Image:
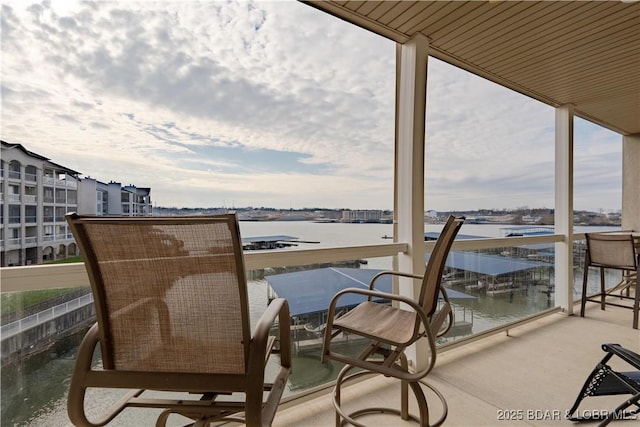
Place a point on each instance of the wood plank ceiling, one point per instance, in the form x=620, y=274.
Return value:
x=584, y=53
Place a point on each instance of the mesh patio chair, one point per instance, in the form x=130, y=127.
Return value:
x=173, y=316
x=389, y=330
x=605, y=381
x=612, y=251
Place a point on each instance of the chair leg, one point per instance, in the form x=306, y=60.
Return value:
x=585, y=278
x=636, y=303
x=603, y=292
x=620, y=412
x=423, y=408
x=343, y=418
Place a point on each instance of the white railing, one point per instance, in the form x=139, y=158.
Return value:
x=13, y=198
x=14, y=241
x=30, y=199
x=50, y=276
x=69, y=275
x=17, y=327
x=48, y=180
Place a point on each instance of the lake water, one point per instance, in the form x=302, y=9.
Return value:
x=34, y=392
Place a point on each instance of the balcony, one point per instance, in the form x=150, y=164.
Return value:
x=547, y=355
x=31, y=240
x=14, y=242
x=30, y=199
x=534, y=349
x=528, y=375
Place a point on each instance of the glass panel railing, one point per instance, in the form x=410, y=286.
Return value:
x=41, y=331
x=496, y=284
x=308, y=290
x=493, y=287
x=488, y=288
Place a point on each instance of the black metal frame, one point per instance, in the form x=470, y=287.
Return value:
x=604, y=381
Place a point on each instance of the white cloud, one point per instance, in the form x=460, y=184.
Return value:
x=264, y=103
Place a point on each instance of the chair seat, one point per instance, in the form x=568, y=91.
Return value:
x=612, y=385
x=380, y=322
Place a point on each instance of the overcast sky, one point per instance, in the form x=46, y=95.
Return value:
x=271, y=104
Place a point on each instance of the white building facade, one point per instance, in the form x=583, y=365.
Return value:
x=36, y=193
x=99, y=198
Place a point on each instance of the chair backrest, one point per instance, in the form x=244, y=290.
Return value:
x=435, y=265
x=611, y=251
x=170, y=292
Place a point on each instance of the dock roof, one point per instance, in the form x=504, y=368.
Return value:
x=490, y=265
x=310, y=291
x=265, y=239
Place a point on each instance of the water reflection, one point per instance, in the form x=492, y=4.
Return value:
x=37, y=387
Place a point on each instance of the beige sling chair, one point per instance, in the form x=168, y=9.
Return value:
x=389, y=330
x=173, y=316
x=612, y=251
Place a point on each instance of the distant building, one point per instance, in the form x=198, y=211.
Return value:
x=529, y=219
x=362, y=216
x=36, y=193
x=99, y=198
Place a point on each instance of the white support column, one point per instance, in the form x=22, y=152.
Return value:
x=564, y=208
x=411, y=84
x=631, y=182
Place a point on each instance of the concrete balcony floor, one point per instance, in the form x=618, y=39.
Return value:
x=530, y=376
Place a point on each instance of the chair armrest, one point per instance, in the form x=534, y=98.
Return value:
x=277, y=308
x=391, y=273
x=625, y=354
x=373, y=293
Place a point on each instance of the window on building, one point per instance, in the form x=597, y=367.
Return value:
x=72, y=197
x=14, y=169
x=61, y=195
x=60, y=212
x=30, y=214
x=14, y=214
x=48, y=214
x=30, y=173
x=47, y=194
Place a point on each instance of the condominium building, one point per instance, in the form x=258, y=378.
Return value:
x=362, y=216
x=113, y=199
x=36, y=193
